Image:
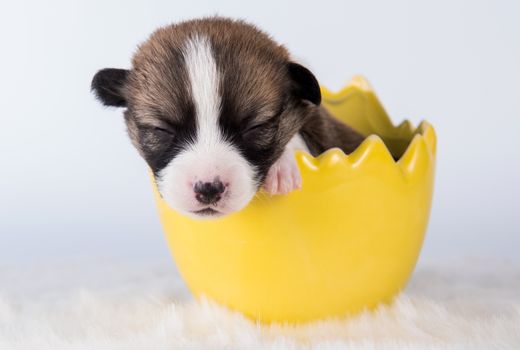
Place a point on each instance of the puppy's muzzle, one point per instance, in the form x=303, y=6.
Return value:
x=209, y=192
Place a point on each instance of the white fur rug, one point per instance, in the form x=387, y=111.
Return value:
x=107, y=305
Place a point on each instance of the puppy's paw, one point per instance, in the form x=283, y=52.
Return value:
x=283, y=176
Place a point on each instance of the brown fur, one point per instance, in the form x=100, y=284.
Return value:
x=322, y=132
x=265, y=98
x=256, y=71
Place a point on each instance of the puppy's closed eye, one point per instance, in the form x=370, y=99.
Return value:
x=156, y=137
x=261, y=134
x=254, y=129
x=163, y=131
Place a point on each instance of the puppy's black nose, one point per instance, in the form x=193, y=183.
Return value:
x=209, y=192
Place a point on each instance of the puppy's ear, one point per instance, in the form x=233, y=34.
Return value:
x=305, y=85
x=108, y=85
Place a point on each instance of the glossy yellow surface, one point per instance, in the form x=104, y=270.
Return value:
x=347, y=241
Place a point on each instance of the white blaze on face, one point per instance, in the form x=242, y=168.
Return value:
x=209, y=157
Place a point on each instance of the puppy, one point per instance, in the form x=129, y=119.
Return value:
x=217, y=109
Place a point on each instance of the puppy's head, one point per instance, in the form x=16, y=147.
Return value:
x=210, y=105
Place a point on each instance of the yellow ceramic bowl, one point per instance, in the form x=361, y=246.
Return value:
x=346, y=242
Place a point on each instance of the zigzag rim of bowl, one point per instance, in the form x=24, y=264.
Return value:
x=423, y=140
x=422, y=146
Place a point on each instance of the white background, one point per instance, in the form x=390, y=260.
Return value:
x=72, y=186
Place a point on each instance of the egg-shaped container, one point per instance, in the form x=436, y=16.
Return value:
x=348, y=241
